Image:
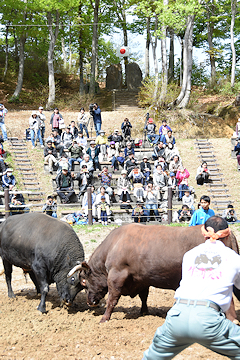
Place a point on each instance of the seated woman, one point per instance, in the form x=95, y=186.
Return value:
x=137, y=179
x=202, y=174
x=123, y=187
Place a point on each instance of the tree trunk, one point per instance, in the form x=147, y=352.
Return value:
x=70, y=48
x=184, y=102
x=63, y=49
x=53, y=37
x=147, y=66
x=21, y=67
x=233, y=10
x=171, y=57
x=155, y=61
x=125, y=43
x=187, y=67
x=164, y=77
x=211, y=48
x=6, y=55
x=81, y=49
x=94, y=48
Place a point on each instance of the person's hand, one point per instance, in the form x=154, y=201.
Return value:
x=11, y=187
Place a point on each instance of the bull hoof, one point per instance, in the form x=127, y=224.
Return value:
x=12, y=296
x=103, y=321
x=42, y=310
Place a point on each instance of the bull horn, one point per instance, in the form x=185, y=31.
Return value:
x=76, y=268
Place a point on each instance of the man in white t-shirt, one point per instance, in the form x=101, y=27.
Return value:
x=209, y=272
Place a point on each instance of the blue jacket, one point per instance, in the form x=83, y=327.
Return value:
x=97, y=116
x=200, y=216
x=8, y=180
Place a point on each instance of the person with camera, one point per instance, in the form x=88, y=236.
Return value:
x=82, y=121
x=139, y=214
x=202, y=174
x=151, y=201
x=229, y=214
x=126, y=128
x=3, y=112
x=95, y=111
x=17, y=204
x=184, y=214
x=50, y=207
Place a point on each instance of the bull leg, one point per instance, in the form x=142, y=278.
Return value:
x=8, y=277
x=41, y=276
x=143, y=296
x=231, y=314
x=34, y=280
x=116, y=281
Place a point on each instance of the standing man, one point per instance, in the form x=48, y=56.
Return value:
x=97, y=119
x=201, y=215
x=209, y=272
x=3, y=112
x=42, y=117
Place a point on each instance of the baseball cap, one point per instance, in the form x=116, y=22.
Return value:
x=92, y=142
x=112, y=143
x=124, y=172
x=150, y=120
x=116, y=130
x=65, y=167
x=172, y=174
x=40, y=108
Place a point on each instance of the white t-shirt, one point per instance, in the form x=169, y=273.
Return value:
x=209, y=272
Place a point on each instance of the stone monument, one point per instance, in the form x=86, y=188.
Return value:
x=134, y=76
x=114, y=77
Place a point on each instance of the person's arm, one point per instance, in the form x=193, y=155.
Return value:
x=193, y=220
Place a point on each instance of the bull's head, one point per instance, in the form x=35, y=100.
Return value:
x=95, y=283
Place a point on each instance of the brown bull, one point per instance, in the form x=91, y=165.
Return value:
x=134, y=257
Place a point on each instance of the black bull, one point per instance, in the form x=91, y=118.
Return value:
x=48, y=249
x=134, y=257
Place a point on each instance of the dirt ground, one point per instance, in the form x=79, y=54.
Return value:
x=75, y=333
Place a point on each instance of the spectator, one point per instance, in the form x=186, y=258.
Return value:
x=3, y=112
x=230, y=215
x=2, y=152
x=131, y=163
x=175, y=164
x=83, y=121
x=121, y=159
x=123, y=187
x=137, y=178
x=64, y=183
x=50, y=207
x=8, y=179
x=184, y=214
x=117, y=138
x=201, y=215
x=159, y=150
x=66, y=138
x=84, y=178
x=85, y=202
x=50, y=155
x=102, y=210
x=106, y=178
x=151, y=132
x=172, y=182
x=202, y=174
x=100, y=194
x=17, y=204
x=238, y=129
x=76, y=153
x=42, y=117
x=73, y=129
x=182, y=177
x=97, y=119
x=160, y=161
x=89, y=163
x=57, y=142
x=139, y=214
x=112, y=154
x=160, y=181
x=93, y=151
x=54, y=121
x=34, y=124
x=101, y=141
x=170, y=151
x=164, y=128
x=129, y=148
x=82, y=141
x=62, y=161
x=237, y=149
x=151, y=202
x=188, y=200
x=169, y=138
x=145, y=167
x=126, y=128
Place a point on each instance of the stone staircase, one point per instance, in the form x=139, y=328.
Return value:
x=124, y=100
x=218, y=189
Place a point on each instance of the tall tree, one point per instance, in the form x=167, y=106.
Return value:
x=164, y=75
x=233, y=12
x=95, y=7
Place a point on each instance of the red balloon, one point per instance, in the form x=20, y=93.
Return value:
x=122, y=51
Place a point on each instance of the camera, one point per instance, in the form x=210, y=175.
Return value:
x=91, y=109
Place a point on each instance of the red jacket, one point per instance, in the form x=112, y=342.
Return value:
x=182, y=176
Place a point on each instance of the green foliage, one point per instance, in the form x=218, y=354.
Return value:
x=145, y=95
